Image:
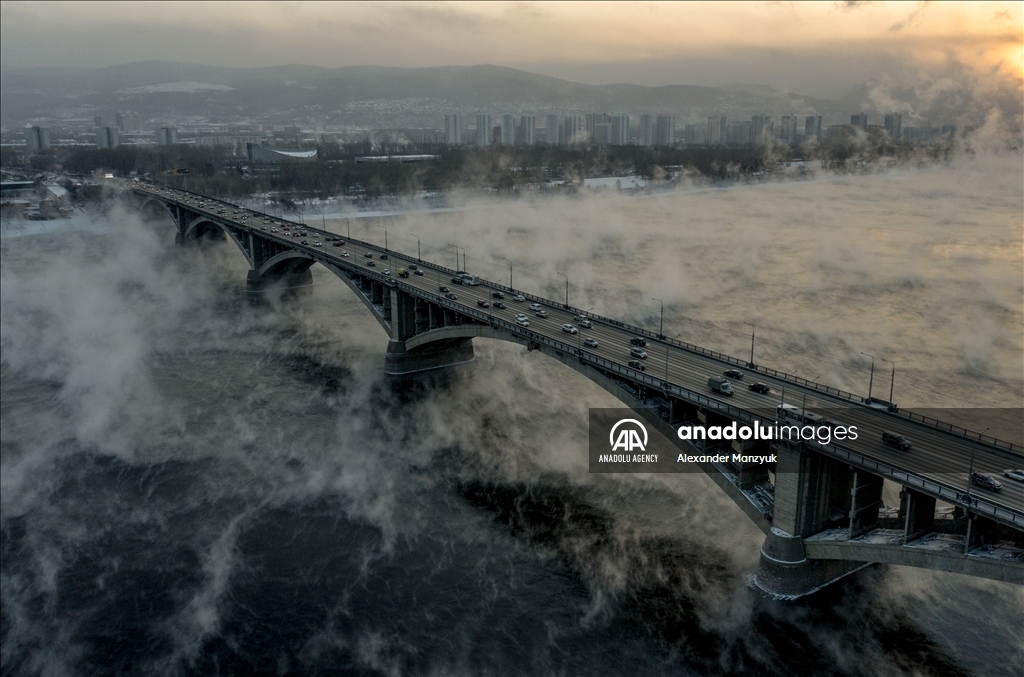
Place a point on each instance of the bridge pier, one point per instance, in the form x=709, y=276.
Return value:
x=398, y=361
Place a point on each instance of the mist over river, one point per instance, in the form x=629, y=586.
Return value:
x=193, y=482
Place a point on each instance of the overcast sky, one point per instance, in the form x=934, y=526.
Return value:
x=820, y=49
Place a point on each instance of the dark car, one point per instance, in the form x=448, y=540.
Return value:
x=305, y=242
x=456, y=280
x=443, y=289
x=499, y=304
x=636, y=364
x=371, y=264
x=450, y=296
x=413, y=266
x=368, y=255
x=734, y=373
x=417, y=272
x=497, y=295
x=483, y=304
x=759, y=388
x=894, y=440
x=338, y=243
x=638, y=341
x=985, y=481
x=383, y=257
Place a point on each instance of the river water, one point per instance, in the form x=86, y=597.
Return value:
x=196, y=482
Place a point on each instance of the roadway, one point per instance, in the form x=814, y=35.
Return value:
x=938, y=455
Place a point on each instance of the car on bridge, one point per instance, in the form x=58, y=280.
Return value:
x=761, y=388
x=734, y=373
x=499, y=304
x=305, y=242
x=1014, y=474
x=345, y=254
x=637, y=365
x=443, y=289
x=585, y=323
x=371, y=264
x=273, y=230
x=263, y=228
x=522, y=321
x=413, y=266
x=386, y=272
x=590, y=343
x=383, y=257
x=897, y=441
x=569, y=329
x=638, y=352
x=483, y=304
x=985, y=481
x=368, y=255
x=542, y=313
x=497, y=295
x=638, y=341
x=318, y=244
x=338, y=243
x=535, y=307
x=451, y=297
x=456, y=280
x=417, y=271
x=519, y=297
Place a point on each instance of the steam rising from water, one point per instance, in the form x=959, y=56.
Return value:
x=193, y=482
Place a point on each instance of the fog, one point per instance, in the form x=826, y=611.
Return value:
x=207, y=479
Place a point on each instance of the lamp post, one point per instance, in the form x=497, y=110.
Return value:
x=509, y=274
x=348, y=222
x=752, y=329
x=783, y=402
x=872, y=379
x=385, y=236
x=661, y=327
x=419, y=258
x=970, y=469
x=566, y=288
x=892, y=381
x=803, y=407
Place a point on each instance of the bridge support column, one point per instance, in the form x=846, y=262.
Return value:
x=812, y=492
x=919, y=514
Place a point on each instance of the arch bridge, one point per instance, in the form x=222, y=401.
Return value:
x=820, y=506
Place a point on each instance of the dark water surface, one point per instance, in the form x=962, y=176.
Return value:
x=195, y=483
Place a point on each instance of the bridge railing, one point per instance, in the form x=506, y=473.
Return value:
x=683, y=345
x=896, y=473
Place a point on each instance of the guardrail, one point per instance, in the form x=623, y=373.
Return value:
x=682, y=345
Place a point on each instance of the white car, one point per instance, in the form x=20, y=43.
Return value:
x=518, y=297
x=522, y=321
x=590, y=343
x=535, y=307
x=345, y=254
x=542, y=313
x=1015, y=474
x=569, y=329
x=586, y=324
x=317, y=244
x=638, y=352
x=520, y=316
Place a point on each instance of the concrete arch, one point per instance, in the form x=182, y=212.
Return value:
x=384, y=322
x=151, y=200
x=188, y=231
x=463, y=331
x=279, y=259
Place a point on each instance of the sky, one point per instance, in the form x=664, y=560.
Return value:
x=820, y=49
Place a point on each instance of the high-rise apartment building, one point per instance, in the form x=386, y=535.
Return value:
x=129, y=122
x=619, y=130
x=508, y=129
x=602, y=133
x=787, y=129
x=552, y=130
x=893, y=125
x=575, y=131
x=645, y=130
x=106, y=137
x=483, y=129
x=760, y=129
x=665, y=130
x=716, y=130
x=859, y=121
x=167, y=136
x=37, y=139
x=737, y=133
x=812, y=128
x=453, y=129
x=527, y=130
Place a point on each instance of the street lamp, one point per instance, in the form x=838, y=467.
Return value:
x=566, y=288
x=803, y=407
x=752, y=329
x=783, y=402
x=385, y=236
x=509, y=273
x=661, y=327
x=970, y=469
x=892, y=381
x=418, y=257
x=872, y=379
x=457, y=248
